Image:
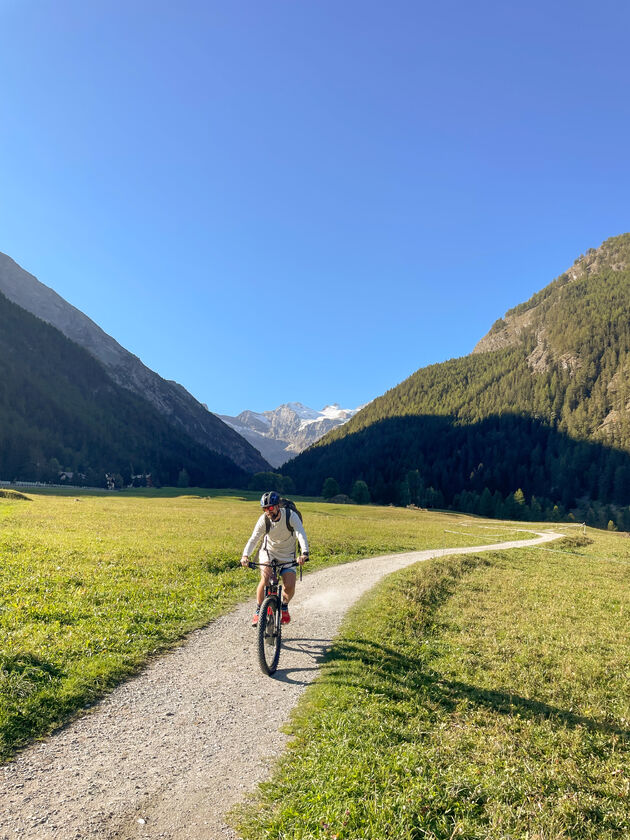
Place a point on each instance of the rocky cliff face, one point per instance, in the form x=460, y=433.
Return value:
x=505, y=332
x=171, y=399
x=530, y=317
x=287, y=430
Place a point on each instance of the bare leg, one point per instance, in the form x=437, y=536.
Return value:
x=265, y=575
x=288, y=586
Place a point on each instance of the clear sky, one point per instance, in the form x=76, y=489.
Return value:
x=307, y=200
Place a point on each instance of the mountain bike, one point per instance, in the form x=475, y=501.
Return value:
x=270, y=617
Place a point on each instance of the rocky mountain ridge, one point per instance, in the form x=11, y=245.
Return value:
x=172, y=400
x=63, y=418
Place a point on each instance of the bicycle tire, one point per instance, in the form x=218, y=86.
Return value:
x=269, y=635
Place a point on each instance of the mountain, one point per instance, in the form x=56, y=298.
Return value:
x=61, y=410
x=170, y=399
x=542, y=405
x=288, y=429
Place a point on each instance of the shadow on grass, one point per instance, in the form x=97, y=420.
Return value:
x=314, y=649
x=386, y=671
x=27, y=667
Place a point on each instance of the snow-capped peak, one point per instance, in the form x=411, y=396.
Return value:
x=289, y=429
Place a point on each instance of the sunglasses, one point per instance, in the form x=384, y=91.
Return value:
x=270, y=507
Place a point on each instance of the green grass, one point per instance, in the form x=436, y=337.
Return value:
x=92, y=585
x=486, y=696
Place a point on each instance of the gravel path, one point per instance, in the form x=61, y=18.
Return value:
x=169, y=752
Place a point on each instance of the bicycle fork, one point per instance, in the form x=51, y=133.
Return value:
x=275, y=590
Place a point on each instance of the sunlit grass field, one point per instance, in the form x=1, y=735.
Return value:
x=484, y=697
x=92, y=585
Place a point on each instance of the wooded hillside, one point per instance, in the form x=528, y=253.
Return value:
x=59, y=410
x=545, y=412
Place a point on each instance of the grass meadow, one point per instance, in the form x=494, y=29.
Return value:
x=93, y=584
x=478, y=697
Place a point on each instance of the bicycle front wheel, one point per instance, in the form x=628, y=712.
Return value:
x=269, y=635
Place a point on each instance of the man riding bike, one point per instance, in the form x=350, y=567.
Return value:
x=279, y=527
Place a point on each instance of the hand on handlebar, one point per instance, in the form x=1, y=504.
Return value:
x=302, y=559
x=244, y=561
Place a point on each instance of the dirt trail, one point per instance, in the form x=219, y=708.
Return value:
x=169, y=752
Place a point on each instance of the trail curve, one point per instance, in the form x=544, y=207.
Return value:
x=169, y=752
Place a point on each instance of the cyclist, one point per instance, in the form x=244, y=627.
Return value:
x=279, y=527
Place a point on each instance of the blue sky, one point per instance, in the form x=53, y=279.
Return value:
x=356, y=189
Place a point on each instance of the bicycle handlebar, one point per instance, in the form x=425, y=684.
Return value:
x=254, y=565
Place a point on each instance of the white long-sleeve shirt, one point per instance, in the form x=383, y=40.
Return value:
x=279, y=543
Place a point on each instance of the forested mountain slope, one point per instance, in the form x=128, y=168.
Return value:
x=59, y=409
x=541, y=405
x=170, y=399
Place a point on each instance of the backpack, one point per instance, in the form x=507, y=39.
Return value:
x=289, y=506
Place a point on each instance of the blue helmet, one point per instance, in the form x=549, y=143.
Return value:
x=270, y=498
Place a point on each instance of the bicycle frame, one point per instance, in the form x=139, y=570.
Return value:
x=273, y=587
x=270, y=633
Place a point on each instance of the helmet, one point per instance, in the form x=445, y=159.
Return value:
x=270, y=498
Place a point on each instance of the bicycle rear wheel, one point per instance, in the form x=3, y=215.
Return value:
x=269, y=635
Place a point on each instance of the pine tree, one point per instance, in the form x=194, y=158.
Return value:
x=330, y=488
x=486, y=505
x=360, y=492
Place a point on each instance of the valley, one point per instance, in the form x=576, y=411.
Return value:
x=287, y=430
